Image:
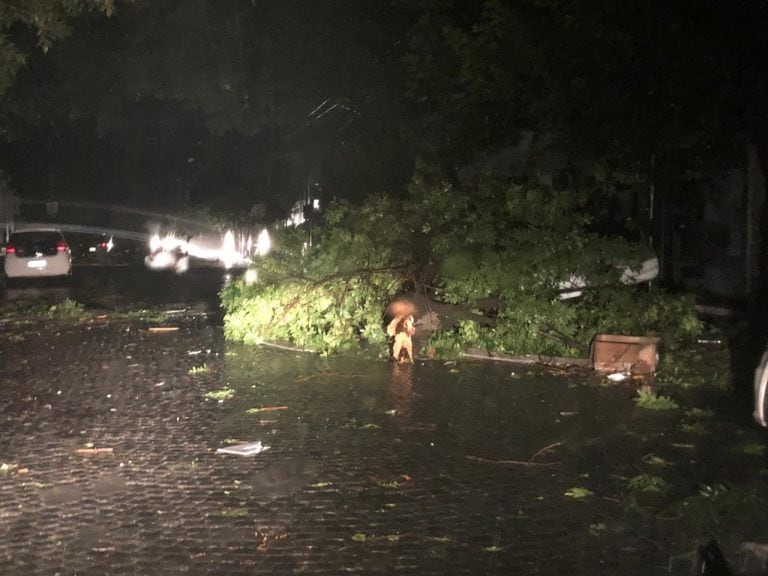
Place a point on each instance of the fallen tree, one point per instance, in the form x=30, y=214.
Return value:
x=491, y=260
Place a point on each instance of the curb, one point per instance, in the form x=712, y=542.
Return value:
x=479, y=354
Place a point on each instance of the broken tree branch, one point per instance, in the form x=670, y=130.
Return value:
x=525, y=464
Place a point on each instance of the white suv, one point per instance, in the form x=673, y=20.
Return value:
x=761, y=392
x=37, y=252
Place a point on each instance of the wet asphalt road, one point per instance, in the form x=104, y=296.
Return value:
x=109, y=431
x=125, y=287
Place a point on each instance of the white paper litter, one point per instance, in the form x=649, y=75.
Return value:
x=246, y=449
x=617, y=377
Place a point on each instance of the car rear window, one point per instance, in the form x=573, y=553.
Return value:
x=33, y=242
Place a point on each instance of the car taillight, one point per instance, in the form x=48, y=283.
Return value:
x=10, y=249
x=62, y=247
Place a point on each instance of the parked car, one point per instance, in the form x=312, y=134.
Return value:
x=38, y=252
x=761, y=392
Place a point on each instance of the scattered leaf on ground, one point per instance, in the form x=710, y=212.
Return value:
x=234, y=512
x=578, y=492
x=694, y=428
x=647, y=483
x=654, y=460
x=221, y=394
x=699, y=413
x=597, y=529
x=650, y=401
x=440, y=539
x=753, y=449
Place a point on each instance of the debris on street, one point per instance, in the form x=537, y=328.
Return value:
x=578, y=493
x=162, y=329
x=221, y=394
x=523, y=463
x=245, y=449
x=94, y=451
x=266, y=409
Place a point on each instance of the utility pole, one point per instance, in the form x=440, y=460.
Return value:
x=307, y=210
x=652, y=199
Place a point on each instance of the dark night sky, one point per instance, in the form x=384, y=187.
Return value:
x=211, y=102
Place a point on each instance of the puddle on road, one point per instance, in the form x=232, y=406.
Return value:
x=490, y=410
x=561, y=464
x=435, y=468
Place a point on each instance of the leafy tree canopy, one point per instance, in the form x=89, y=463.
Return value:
x=45, y=19
x=244, y=102
x=616, y=83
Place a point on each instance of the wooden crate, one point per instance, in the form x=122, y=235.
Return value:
x=617, y=353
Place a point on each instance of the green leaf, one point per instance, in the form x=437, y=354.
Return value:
x=651, y=401
x=221, y=394
x=647, y=483
x=578, y=493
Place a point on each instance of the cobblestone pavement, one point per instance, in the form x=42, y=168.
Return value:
x=109, y=432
